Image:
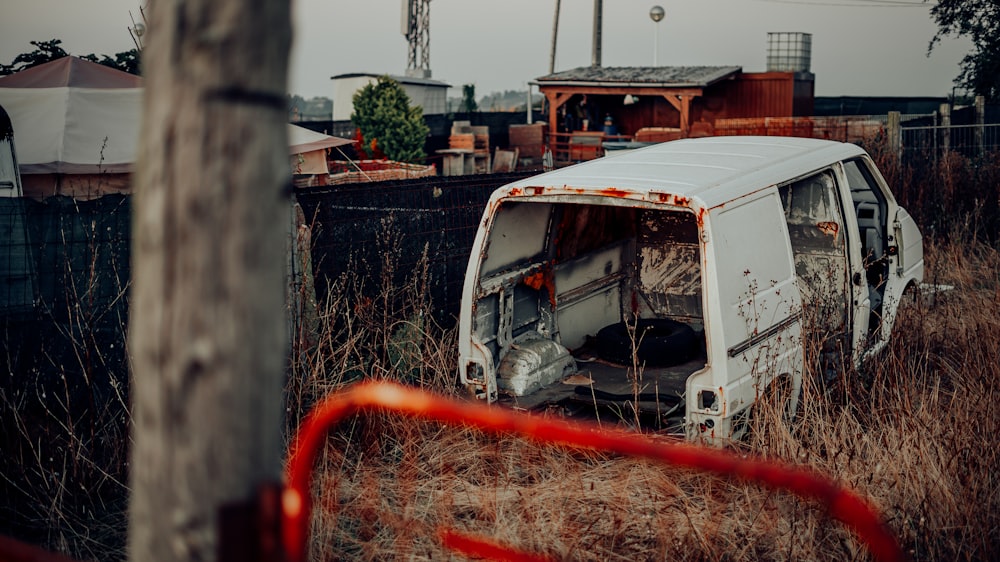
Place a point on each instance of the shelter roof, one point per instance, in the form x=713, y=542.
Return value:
x=646, y=76
x=71, y=72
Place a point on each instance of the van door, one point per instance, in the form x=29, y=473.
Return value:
x=873, y=207
x=903, y=260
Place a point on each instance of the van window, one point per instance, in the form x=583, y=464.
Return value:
x=870, y=206
x=518, y=235
x=813, y=214
x=816, y=231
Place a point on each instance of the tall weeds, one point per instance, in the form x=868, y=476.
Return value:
x=913, y=430
x=64, y=408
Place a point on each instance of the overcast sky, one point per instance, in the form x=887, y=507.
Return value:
x=859, y=47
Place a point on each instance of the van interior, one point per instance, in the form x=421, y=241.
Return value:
x=586, y=305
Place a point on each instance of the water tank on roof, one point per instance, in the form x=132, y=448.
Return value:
x=789, y=51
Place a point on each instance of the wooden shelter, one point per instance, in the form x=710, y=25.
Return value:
x=665, y=102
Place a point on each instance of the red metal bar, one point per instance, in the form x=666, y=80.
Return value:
x=843, y=504
x=12, y=550
x=477, y=546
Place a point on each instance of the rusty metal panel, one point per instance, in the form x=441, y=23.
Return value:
x=766, y=94
x=590, y=293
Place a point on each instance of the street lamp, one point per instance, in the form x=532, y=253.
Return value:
x=656, y=13
x=137, y=30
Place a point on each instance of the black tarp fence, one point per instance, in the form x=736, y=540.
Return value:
x=354, y=227
x=64, y=272
x=66, y=262
x=64, y=279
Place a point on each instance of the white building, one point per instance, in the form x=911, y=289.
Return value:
x=431, y=95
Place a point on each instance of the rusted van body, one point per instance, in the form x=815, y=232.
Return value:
x=680, y=279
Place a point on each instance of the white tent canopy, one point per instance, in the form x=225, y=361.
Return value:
x=72, y=116
x=307, y=150
x=75, y=119
x=74, y=130
x=302, y=140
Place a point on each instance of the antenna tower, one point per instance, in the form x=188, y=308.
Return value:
x=417, y=30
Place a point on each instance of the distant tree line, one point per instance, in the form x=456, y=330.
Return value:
x=317, y=108
x=48, y=51
x=508, y=100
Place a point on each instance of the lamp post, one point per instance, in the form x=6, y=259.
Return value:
x=656, y=13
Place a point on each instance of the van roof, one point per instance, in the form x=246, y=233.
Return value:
x=707, y=171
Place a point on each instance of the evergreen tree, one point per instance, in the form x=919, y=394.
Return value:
x=387, y=123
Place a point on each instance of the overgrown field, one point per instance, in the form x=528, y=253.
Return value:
x=915, y=431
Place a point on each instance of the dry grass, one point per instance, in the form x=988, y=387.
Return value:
x=915, y=432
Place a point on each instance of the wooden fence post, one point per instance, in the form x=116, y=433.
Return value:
x=980, y=124
x=894, y=135
x=944, y=131
x=207, y=333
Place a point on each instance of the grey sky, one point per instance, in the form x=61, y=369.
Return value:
x=860, y=47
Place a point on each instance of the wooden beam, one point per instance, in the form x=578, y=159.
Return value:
x=686, y=115
x=555, y=101
x=682, y=103
x=673, y=99
x=561, y=99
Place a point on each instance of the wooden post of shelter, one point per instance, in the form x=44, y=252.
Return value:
x=206, y=332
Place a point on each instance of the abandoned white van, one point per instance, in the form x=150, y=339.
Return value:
x=679, y=280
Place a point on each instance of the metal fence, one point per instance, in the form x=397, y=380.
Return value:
x=971, y=141
x=913, y=137
x=64, y=275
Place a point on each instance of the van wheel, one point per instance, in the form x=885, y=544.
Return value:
x=659, y=342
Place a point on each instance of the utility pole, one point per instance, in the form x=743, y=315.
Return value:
x=555, y=34
x=207, y=332
x=595, y=58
